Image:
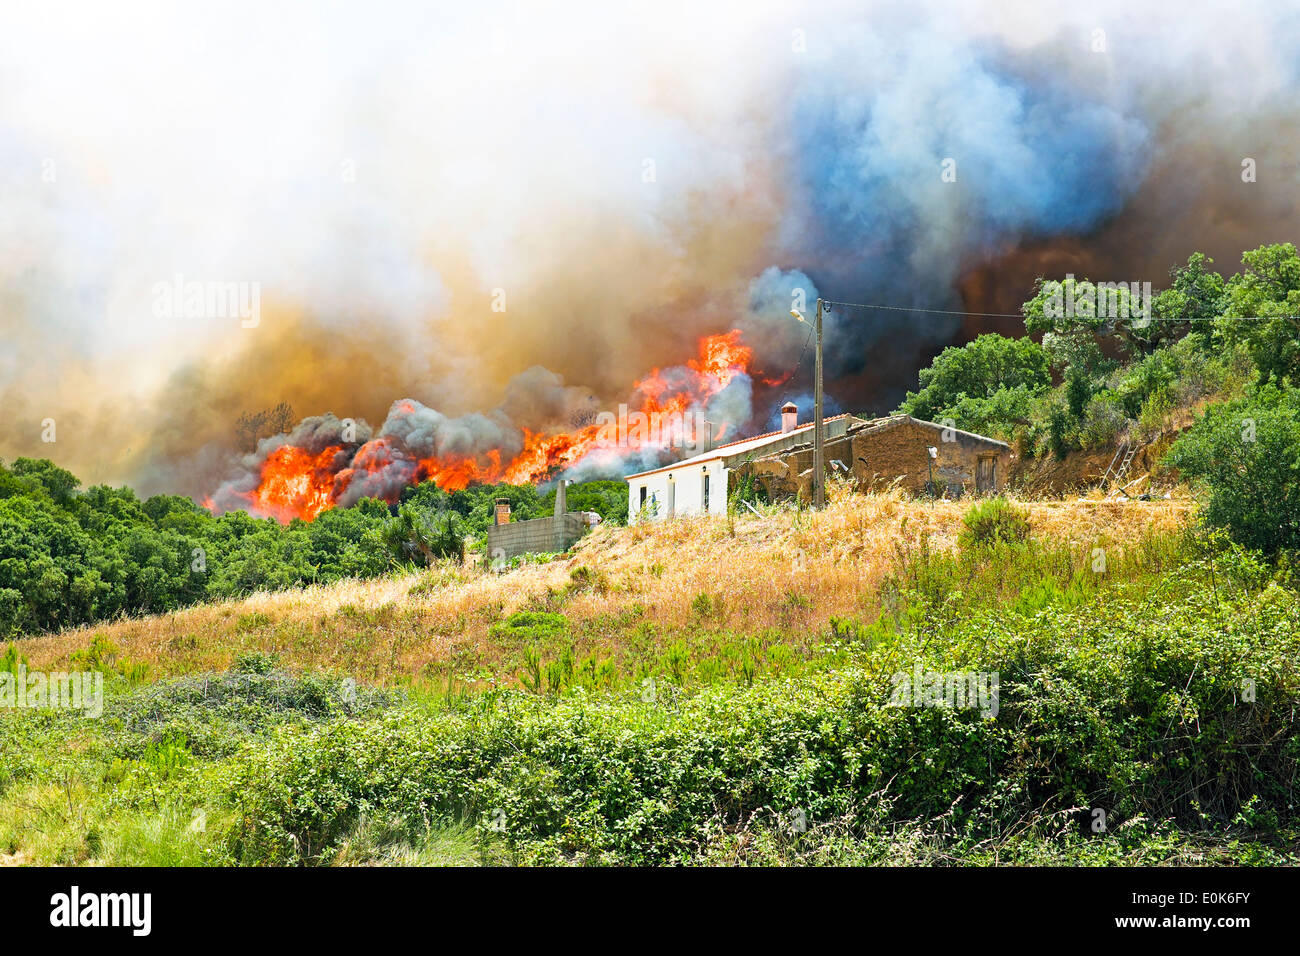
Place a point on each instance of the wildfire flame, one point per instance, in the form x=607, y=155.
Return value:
x=294, y=482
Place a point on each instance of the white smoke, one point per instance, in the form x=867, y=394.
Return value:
x=628, y=178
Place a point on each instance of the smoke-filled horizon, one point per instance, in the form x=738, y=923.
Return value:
x=505, y=218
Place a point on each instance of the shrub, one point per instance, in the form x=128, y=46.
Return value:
x=101, y=655
x=1103, y=420
x=254, y=662
x=218, y=713
x=530, y=627
x=586, y=578
x=992, y=521
x=979, y=370
x=1059, y=432
x=706, y=605
x=1155, y=410
x=11, y=660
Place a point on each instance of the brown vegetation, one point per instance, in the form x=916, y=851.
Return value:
x=785, y=571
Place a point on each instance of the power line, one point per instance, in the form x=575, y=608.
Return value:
x=1021, y=315
x=906, y=308
x=804, y=351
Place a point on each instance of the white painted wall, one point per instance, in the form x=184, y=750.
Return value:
x=679, y=491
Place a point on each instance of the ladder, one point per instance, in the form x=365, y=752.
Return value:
x=1119, y=465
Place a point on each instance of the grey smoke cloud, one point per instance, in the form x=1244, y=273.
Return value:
x=381, y=174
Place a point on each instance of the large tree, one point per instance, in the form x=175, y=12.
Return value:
x=1196, y=294
x=985, y=382
x=1262, y=303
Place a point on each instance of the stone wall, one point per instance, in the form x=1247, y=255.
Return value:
x=891, y=452
x=882, y=455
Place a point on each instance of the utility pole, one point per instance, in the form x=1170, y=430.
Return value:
x=819, y=444
x=819, y=450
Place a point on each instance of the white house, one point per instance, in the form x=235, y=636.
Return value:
x=698, y=485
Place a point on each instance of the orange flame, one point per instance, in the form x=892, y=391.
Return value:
x=723, y=358
x=297, y=484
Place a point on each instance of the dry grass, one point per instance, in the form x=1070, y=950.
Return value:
x=784, y=570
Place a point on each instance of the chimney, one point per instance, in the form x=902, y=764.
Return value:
x=789, y=417
x=561, y=498
x=503, y=511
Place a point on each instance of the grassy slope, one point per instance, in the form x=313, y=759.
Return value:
x=770, y=578
x=1119, y=687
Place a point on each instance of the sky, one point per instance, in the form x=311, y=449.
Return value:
x=483, y=207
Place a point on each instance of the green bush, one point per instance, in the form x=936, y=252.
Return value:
x=530, y=627
x=992, y=521
x=1103, y=421
x=11, y=660
x=218, y=713
x=987, y=381
x=254, y=662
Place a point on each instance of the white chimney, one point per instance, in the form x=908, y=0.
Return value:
x=789, y=417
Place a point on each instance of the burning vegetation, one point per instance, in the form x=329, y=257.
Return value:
x=325, y=462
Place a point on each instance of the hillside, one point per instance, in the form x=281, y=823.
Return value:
x=625, y=592
x=1080, y=471
x=707, y=692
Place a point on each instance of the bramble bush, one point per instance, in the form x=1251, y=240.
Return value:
x=1174, y=703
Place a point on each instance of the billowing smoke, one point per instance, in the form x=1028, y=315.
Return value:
x=509, y=217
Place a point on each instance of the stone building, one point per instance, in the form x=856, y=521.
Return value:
x=893, y=451
x=699, y=485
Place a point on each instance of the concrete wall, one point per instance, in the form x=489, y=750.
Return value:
x=536, y=536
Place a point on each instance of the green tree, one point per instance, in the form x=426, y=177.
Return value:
x=1262, y=309
x=1247, y=453
x=1064, y=313
x=967, y=383
x=59, y=483
x=413, y=536
x=1196, y=293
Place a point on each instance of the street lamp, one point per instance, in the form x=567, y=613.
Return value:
x=819, y=471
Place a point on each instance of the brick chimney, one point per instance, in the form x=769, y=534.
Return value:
x=503, y=511
x=789, y=417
